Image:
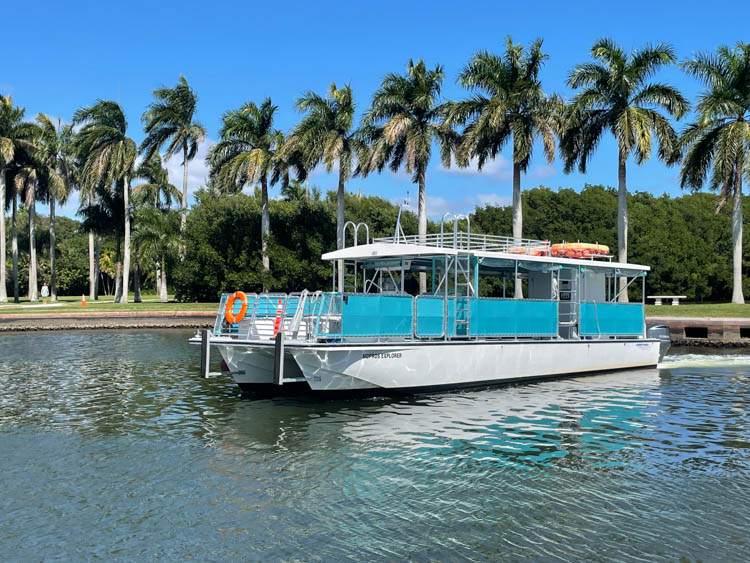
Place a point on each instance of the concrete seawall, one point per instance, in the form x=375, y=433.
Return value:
x=106, y=320
x=720, y=332
x=683, y=331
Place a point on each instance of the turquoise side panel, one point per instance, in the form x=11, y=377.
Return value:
x=378, y=315
x=611, y=319
x=513, y=317
x=451, y=317
x=429, y=316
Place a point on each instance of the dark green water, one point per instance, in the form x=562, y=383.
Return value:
x=111, y=447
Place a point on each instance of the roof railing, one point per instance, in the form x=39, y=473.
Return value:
x=463, y=240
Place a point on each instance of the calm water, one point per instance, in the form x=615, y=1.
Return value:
x=111, y=447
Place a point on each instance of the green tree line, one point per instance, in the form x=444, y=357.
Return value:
x=681, y=238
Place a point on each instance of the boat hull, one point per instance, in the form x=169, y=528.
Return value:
x=433, y=365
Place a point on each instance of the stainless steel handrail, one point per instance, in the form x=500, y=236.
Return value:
x=473, y=241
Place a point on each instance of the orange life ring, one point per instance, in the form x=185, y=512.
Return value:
x=230, y=317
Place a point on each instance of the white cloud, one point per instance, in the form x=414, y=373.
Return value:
x=437, y=206
x=320, y=170
x=197, y=169
x=499, y=167
x=542, y=172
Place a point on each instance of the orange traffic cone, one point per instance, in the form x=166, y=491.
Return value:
x=83, y=300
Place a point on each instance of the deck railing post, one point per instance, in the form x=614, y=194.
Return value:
x=278, y=361
x=205, y=354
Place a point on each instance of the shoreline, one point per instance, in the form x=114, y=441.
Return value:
x=717, y=332
x=711, y=332
x=106, y=320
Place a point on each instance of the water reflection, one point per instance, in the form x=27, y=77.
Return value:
x=115, y=433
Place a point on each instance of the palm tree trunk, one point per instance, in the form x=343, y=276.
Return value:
x=118, y=273
x=93, y=283
x=52, y=241
x=422, y=226
x=340, y=228
x=265, y=223
x=97, y=248
x=3, y=290
x=137, y=280
x=184, y=186
x=622, y=223
x=158, y=278
x=33, y=289
x=14, y=249
x=118, y=281
x=163, y=283
x=126, y=258
x=517, y=217
x=737, y=296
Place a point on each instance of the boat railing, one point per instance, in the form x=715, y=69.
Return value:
x=403, y=317
x=464, y=240
x=336, y=317
x=269, y=313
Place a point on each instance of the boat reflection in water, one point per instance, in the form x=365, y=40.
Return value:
x=555, y=422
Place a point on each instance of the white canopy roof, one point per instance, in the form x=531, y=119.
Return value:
x=392, y=250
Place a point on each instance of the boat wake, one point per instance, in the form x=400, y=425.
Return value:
x=704, y=360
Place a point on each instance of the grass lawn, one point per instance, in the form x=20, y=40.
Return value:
x=699, y=310
x=72, y=304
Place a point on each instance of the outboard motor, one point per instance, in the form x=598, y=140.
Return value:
x=660, y=332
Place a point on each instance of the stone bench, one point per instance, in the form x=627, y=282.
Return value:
x=675, y=298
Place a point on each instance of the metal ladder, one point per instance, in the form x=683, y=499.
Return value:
x=350, y=276
x=463, y=290
x=573, y=304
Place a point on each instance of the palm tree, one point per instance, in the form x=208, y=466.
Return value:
x=617, y=96
x=509, y=106
x=169, y=120
x=325, y=135
x=105, y=216
x=401, y=125
x=245, y=155
x=157, y=237
x=287, y=158
x=156, y=192
x=33, y=180
x=26, y=180
x=294, y=191
x=109, y=158
x=719, y=139
x=14, y=135
x=56, y=153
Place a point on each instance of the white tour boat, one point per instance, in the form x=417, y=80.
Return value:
x=379, y=336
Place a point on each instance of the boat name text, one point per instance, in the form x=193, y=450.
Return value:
x=381, y=355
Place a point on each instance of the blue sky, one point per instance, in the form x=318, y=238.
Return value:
x=64, y=55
